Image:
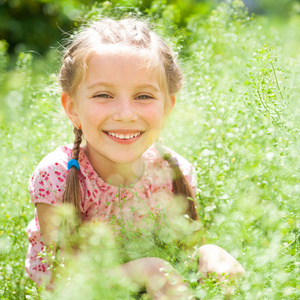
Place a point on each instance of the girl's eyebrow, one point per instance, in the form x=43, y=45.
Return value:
x=141, y=86
x=149, y=86
x=100, y=83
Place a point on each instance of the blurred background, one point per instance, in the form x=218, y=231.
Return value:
x=38, y=25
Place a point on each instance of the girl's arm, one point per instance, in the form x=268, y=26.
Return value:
x=49, y=228
x=49, y=224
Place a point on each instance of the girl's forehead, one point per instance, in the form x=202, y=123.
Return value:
x=126, y=58
x=131, y=54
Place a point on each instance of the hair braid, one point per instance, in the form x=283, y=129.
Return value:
x=72, y=189
x=181, y=187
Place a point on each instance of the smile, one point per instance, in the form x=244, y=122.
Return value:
x=124, y=136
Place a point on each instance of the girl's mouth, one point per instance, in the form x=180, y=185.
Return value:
x=124, y=136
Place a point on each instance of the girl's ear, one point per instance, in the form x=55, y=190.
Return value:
x=172, y=100
x=169, y=108
x=70, y=109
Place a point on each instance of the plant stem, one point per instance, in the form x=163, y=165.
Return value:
x=276, y=81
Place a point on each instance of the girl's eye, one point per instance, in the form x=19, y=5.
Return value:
x=101, y=96
x=144, y=97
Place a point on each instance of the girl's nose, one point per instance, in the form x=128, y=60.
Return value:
x=125, y=111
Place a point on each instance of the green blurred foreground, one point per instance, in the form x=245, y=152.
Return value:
x=237, y=120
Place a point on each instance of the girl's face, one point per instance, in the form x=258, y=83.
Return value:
x=120, y=106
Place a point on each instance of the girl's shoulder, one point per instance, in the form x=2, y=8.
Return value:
x=153, y=157
x=60, y=156
x=152, y=154
x=159, y=170
x=46, y=185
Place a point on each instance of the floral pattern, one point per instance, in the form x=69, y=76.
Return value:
x=100, y=201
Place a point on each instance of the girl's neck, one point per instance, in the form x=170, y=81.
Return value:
x=126, y=174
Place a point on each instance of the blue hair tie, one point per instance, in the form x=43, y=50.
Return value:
x=173, y=162
x=73, y=163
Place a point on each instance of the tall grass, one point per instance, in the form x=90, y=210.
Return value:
x=236, y=120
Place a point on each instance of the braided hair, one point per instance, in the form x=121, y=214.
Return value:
x=181, y=186
x=72, y=190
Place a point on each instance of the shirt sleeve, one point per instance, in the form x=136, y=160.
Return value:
x=47, y=183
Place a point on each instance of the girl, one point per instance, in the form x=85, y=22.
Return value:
x=119, y=81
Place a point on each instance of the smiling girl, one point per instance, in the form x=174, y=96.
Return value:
x=120, y=107
x=119, y=81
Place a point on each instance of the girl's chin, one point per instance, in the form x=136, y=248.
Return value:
x=126, y=160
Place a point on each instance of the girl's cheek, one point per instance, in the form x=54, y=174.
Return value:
x=155, y=112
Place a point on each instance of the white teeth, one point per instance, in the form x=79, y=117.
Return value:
x=124, y=136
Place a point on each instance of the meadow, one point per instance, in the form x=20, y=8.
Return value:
x=237, y=120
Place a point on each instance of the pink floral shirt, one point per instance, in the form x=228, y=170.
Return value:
x=100, y=201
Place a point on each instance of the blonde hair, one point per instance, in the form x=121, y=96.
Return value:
x=126, y=32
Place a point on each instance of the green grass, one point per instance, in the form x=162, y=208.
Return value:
x=236, y=120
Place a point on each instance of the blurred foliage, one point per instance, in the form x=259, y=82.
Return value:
x=36, y=25
x=282, y=8
x=237, y=120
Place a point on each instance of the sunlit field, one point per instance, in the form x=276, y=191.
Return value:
x=237, y=119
